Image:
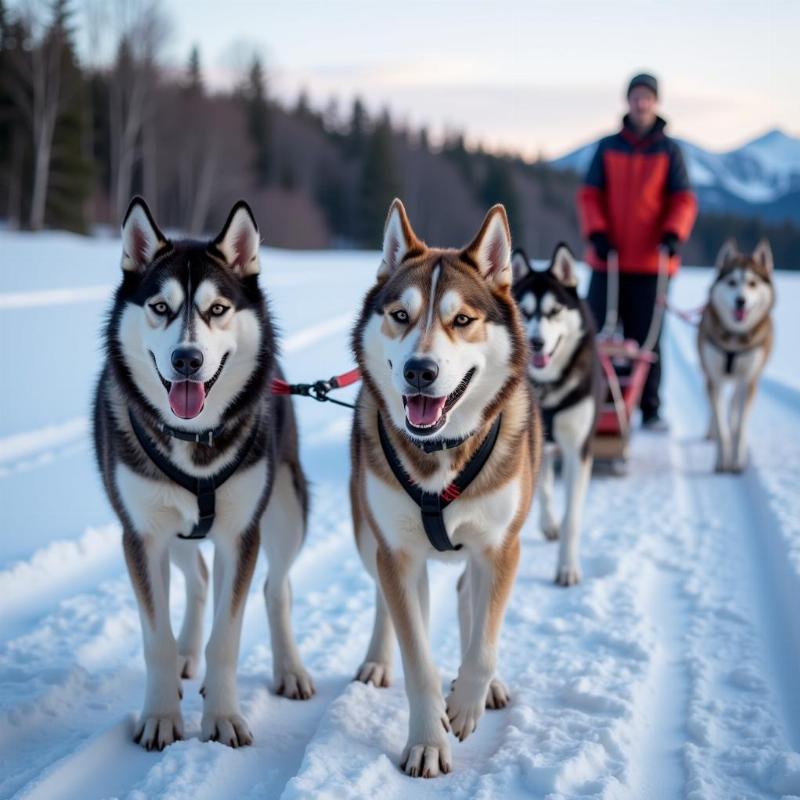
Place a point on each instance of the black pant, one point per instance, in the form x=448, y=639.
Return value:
x=637, y=301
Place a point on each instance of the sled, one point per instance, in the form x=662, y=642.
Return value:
x=626, y=365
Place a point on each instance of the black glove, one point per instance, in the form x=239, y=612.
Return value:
x=671, y=243
x=601, y=244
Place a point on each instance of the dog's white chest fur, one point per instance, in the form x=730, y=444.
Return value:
x=746, y=365
x=474, y=523
x=163, y=508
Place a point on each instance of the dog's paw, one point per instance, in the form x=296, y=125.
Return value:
x=426, y=760
x=294, y=684
x=551, y=532
x=375, y=672
x=498, y=695
x=188, y=664
x=158, y=730
x=228, y=729
x=465, y=706
x=568, y=575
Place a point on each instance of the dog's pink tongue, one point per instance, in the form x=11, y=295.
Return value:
x=540, y=360
x=423, y=411
x=740, y=314
x=186, y=398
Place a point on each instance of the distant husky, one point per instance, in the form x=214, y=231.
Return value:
x=191, y=443
x=565, y=372
x=735, y=341
x=445, y=449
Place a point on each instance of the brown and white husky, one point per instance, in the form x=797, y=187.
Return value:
x=445, y=451
x=735, y=341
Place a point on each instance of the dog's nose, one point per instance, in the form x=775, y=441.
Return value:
x=187, y=360
x=740, y=302
x=420, y=372
x=537, y=344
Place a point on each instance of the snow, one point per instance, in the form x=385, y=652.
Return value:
x=671, y=671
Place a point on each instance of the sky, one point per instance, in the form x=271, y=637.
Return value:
x=538, y=78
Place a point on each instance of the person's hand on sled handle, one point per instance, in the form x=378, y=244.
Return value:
x=601, y=244
x=671, y=242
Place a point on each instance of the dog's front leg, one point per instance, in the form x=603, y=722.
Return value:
x=234, y=562
x=741, y=403
x=147, y=558
x=720, y=424
x=547, y=515
x=577, y=469
x=427, y=750
x=490, y=580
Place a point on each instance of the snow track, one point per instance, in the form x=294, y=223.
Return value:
x=670, y=672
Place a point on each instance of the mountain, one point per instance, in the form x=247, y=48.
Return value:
x=761, y=178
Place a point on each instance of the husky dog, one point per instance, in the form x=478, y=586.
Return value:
x=735, y=341
x=565, y=373
x=445, y=449
x=190, y=442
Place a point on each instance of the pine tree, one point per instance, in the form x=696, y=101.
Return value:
x=379, y=184
x=71, y=170
x=194, y=79
x=259, y=122
x=498, y=187
x=455, y=150
x=357, y=134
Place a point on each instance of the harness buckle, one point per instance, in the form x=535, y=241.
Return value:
x=319, y=390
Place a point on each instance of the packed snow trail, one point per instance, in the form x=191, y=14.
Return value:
x=671, y=671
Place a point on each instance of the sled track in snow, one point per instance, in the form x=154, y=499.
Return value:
x=775, y=587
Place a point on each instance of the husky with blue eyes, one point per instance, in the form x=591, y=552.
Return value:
x=564, y=372
x=191, y=444
x=734, y=342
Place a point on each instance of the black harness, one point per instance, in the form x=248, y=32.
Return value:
x=549, y=413
x=432, y=505
x=203, y=489
x=730, y=356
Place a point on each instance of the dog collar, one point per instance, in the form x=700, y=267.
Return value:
x=432, y=505
x=204, y=489
x=205, y=437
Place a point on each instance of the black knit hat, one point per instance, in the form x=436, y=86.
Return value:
x=643, y=79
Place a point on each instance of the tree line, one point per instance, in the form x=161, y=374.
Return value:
x=78, y=139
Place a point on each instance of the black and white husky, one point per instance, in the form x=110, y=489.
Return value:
x=191, y=443
x=565, y=374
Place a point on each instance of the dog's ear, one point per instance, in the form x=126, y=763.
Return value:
x=399, y=239
x=763, y=255
x=490, y=250
x=727, y=252
x=562, y=265
x=520, y=265
x=141, y=237
x=239, y=241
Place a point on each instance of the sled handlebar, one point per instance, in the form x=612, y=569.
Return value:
x=612, y=298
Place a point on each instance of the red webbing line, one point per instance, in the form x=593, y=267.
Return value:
x=277, y=386
x=346, y=378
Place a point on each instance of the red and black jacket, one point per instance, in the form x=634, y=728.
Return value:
x=636, y=191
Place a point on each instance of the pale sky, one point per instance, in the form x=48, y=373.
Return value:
x=528, y=76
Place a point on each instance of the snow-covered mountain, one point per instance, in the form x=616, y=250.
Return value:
x=762, y=177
